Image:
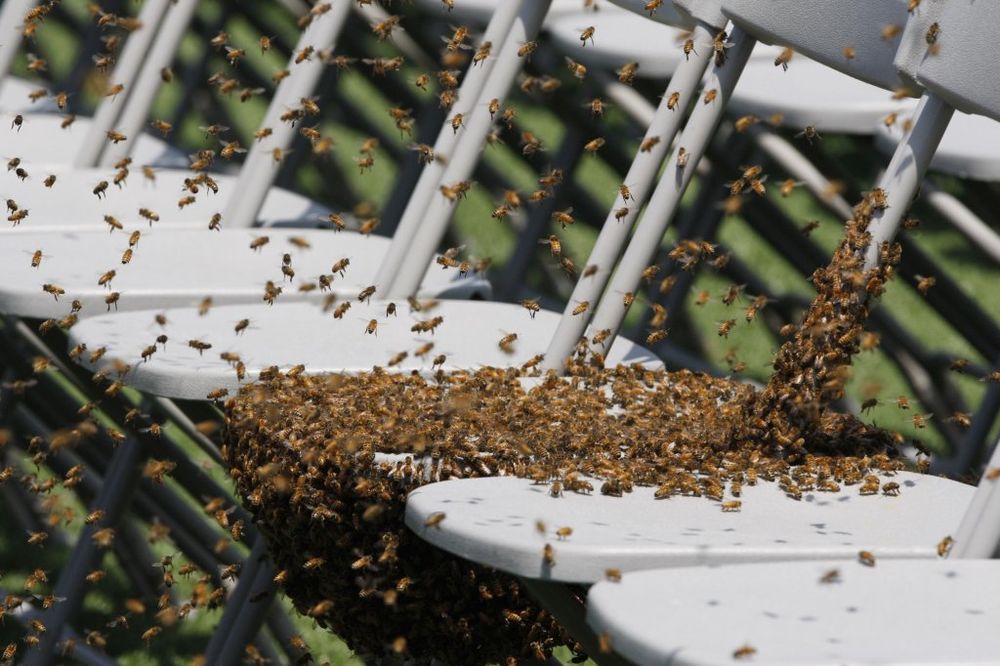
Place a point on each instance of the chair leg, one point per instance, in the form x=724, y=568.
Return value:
x=120, y=483
x=563, y=604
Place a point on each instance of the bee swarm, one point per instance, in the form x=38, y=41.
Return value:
x=303, y=451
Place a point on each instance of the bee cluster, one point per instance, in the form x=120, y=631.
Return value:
x=325, y=464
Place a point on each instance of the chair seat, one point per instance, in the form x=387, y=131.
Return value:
x=970, y=147
x=14, y=98
x=480, y=11
x=179, y=267
x=287, y=335
x=70, y=203
x=812, y=94
x=41, y=141
x=621, y=36
x=897, y=612
x=492, y=521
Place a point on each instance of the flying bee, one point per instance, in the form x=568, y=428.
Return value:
x=259, y=242
x=849, y=52
x=944, y=546
x=588, y=33
x=506, y=343
x=17, y=216
x=784, y=58
x=53, y=289
x=890, y=31
x=106, y=278
x=435, y=519
x=866, y=558
x=526, y=49
x=127, y=255
x=626, y=74
x=199, y=345
x=924, y=284
x=115, y=137
x=810, y=133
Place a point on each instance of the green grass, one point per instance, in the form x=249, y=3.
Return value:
x=752, y=343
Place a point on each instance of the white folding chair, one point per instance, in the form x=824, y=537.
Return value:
x=713, y=541
x=861, y=609
x=42, y=138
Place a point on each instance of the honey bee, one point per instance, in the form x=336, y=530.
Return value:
x=366, y=293
x=127, y=255
x=53, y=289
x=548, y=555
x=115, y=137
x=626, y=74
x=199, y=345
x=890, y=489
x=866, y=558
x=924, y=284
x=784, y=58
x=744, y=652
x=931, y=37
x=719, y=46
x=588, y=33
x=259, y=242
x=725, y=327
x=526, y=49
x=372, y=327
x=435, y=519
x=106, y=278
x=810, y=133
x=944, y=546
x=710, y=96
x=18, y=216
x=563, y=217
x=682, y=157
x=101, y=189
x=506, y=343
x=743, y=123
x=830, y=577
x=582, y=307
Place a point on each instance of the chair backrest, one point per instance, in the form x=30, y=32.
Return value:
x=957, y=63
x=706, y=11
x=667, y=13
x=857, y=37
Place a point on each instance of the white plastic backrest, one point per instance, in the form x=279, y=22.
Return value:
x=913, y=44
x=706, y=11
x=961, y=66
x=822, y=30
x=666, y=13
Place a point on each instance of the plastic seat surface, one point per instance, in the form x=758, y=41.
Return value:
x=180, y=267
x=492, y=521
x=14, y=98
x=900, y=612
x=810, y=93
x=41, y=140
x=621, y=37
x=970, y=147
x=71, y=204
x=287, y=335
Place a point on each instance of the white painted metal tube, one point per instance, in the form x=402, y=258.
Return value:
x=125, y=72
x=260, y=168
x=469, y=94
x=11, y=25
x=641, y=174
x=694, y=140
x=461, y=163
x=968, y=223
x=133, y=116
x=903, y=176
